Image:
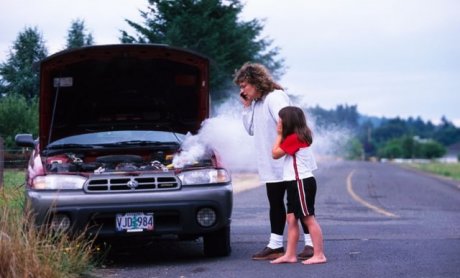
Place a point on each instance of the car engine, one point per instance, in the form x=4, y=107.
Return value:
x=159, y=161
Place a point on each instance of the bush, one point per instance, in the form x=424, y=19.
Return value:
x=17, y=115
x=409, y=147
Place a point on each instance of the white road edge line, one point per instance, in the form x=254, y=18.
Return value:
x=364, y=203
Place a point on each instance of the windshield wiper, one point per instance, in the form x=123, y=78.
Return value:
x=140, y=143
x=69, y=146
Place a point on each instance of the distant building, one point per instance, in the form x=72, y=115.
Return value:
x=452, y=154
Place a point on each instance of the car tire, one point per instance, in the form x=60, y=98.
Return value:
x=217, y=244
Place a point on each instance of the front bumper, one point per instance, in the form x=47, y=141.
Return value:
x=174, y=211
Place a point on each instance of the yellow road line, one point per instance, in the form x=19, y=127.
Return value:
x=364, y=203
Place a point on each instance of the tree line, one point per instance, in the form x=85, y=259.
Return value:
x=19, y=80
x=387, y=137
x=213, y=28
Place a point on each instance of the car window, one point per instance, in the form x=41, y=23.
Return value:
x=111, y=137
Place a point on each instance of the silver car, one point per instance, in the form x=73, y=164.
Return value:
x=112, y=122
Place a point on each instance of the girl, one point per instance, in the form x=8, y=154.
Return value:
x=293, y=142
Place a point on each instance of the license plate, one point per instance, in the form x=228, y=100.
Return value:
x=134, y=222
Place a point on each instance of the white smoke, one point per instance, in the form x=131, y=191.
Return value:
x=331, y=142
x=192, y=151
x=225, y=134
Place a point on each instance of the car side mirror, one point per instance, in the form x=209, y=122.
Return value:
x=24, y=140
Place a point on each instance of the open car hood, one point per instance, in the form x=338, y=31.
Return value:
x=122, y=87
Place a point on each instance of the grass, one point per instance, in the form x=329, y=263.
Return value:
x=13, y=189
x=451, y=170
x=30, y=252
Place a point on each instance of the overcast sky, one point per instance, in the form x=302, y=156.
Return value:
x=389, y=57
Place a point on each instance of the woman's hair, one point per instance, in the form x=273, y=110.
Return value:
x=258, y=76
x=294, y=121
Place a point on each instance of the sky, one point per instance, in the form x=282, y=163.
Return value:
x=391, y=58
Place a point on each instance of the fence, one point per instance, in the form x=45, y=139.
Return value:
x=12, y=158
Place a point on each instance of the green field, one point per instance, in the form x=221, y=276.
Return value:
x=451, y=170
x=12, y=193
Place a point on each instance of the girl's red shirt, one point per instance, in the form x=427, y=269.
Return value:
x=291, y=144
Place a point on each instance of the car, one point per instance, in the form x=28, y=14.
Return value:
x=112, y=121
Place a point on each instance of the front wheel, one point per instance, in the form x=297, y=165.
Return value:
x=217, y=244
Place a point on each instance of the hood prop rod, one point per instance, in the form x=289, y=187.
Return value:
x=54, y=109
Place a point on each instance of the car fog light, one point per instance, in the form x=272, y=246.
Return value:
x=206, y=217
x=60, y=222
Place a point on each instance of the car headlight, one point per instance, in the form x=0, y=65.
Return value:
x=58, y=182
x=204, y=176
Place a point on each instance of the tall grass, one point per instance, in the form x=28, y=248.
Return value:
x=26, y=251
x=451, y=170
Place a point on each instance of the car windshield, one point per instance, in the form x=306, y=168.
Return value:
x=123, y=137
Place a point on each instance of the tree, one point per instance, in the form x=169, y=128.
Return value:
x=447, y=133
x=18, y=74
x=210, y=27
x=348, y=115
x=420, y=128
x=392, y=149
x=411, y=147
x=432, y=149
x=365, y=135
x=354, y=150
x=394, y=128
x=76, y=36
x=17, y=115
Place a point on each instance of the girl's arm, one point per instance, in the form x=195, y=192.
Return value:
x=277, y=152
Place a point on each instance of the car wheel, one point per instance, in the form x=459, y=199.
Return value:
x=217, y=244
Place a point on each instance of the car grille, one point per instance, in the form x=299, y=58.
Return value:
x=132, y=184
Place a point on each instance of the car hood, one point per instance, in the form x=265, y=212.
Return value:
x=122, y=87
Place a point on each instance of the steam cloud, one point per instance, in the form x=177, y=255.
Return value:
x=225, y=134
x=330, y=142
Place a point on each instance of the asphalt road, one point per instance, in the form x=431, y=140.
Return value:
x=378, y=220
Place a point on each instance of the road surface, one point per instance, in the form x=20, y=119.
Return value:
x=378, y=220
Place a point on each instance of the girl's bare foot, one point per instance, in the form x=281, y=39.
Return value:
x=316, y=260
x=284, y=259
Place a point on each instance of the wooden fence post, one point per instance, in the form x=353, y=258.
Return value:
x=2, y=159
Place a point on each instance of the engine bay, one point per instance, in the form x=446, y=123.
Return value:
x=100, y=163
